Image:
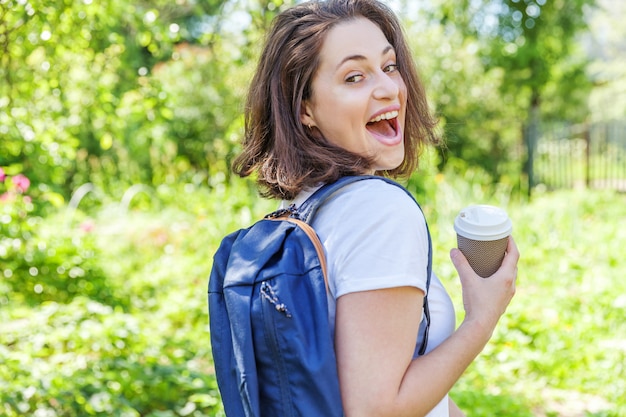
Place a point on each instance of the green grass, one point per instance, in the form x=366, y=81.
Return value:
x=143, y=350
x=561, y=348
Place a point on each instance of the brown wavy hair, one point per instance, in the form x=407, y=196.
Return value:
x=287, y=156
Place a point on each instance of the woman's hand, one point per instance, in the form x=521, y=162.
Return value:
x=485, y=299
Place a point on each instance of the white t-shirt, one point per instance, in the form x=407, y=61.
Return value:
x=375, y=237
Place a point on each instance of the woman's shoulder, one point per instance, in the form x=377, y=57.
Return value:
x=375, y=236
x=372, y=202
x=375, y=193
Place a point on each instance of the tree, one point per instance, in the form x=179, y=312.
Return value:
x=499, y=67
x=606, y=44
x=72, y=73
x=478, y=122
x=534, y=43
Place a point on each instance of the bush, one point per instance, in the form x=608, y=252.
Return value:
x=39, y=267
x=87, y=358
x=144, y=349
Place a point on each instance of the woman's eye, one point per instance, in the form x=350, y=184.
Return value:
x=354, y=78
x=391, y=68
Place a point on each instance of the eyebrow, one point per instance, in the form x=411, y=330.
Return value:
x=362, y=57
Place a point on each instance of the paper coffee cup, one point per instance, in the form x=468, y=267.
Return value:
x=482, y=235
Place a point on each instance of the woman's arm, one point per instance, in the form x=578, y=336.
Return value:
x=375, y=340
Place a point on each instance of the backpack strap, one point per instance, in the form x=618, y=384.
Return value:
x=308, y=209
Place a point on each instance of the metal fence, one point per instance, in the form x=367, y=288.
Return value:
x=589, y=155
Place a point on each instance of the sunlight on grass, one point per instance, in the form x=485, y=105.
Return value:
x=561, y=348
x=142, y=348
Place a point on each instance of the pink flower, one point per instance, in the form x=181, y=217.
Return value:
x=21, y=182
x=87, y=226
x=2, y=175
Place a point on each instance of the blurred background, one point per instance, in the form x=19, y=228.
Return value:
x=118, y=123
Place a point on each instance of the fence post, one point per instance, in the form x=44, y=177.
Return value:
x=531, y=136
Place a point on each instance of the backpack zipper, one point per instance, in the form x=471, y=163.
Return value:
x=268, y=293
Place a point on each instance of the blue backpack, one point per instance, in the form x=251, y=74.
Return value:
x=270, y=334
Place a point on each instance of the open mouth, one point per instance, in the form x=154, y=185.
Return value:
x=385, y=125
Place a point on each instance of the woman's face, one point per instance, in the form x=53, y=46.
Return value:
x=358, y=98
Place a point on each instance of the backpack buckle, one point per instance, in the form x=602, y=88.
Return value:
x=291, y=211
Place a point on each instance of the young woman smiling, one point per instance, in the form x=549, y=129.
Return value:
x=336, y=93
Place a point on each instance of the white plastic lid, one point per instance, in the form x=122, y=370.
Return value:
x=483, y=222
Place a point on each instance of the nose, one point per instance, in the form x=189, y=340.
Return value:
x=387, y=86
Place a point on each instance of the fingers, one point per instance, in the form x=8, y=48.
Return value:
x=460, y=262
x=485, y=300
x=511, y=257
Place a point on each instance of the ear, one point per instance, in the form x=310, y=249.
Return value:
x=306, y=115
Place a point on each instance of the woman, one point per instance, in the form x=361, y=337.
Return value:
x=336, y=93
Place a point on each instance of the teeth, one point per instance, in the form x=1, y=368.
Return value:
x=385, y=116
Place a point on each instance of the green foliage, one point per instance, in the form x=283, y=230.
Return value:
x=40, y=268
x=103, y=310
x=487, y=64
x=558, y=351
x=120, y=93
x=86, y=358
x=145, y=350
x=205, y=113
x=480, y=125
x=36, y=266
x=605, y=41
x=77, y=100
x=534, y=42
